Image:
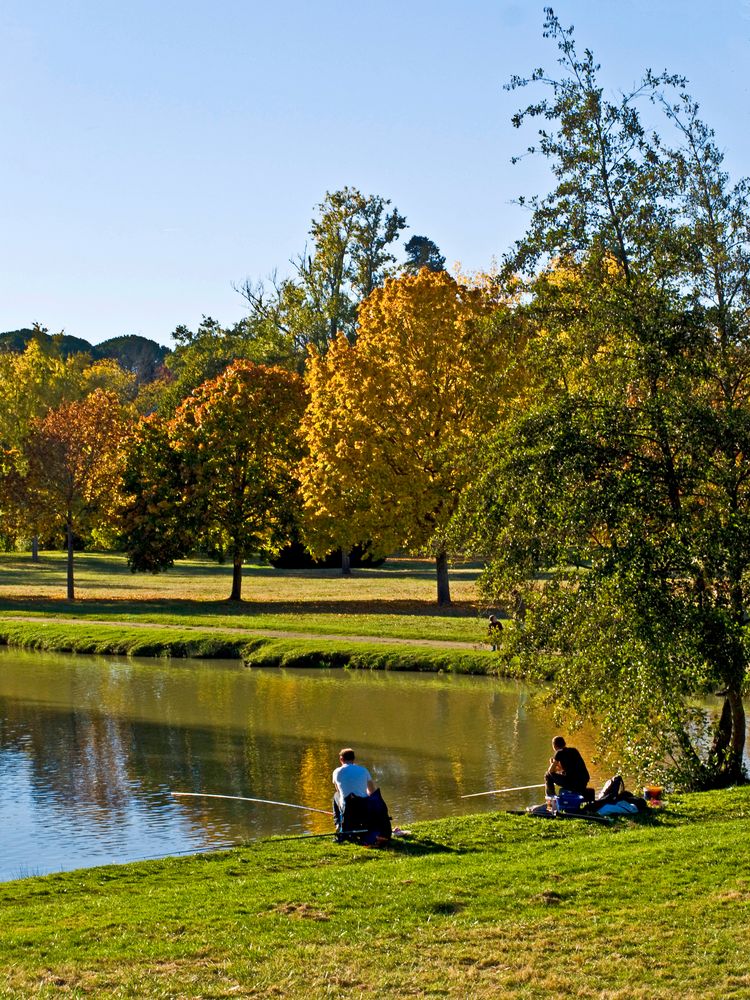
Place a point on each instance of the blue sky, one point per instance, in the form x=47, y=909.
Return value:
x=155, y=152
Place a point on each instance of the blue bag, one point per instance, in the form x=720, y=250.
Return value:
x=568, y=801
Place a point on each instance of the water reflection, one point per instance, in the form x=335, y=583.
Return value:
x=90, y=748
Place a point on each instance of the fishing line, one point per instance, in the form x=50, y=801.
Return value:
x=245, y=798
x=499, y=791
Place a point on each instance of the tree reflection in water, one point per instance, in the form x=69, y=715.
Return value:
x=90, y=748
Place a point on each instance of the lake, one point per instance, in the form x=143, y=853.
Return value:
x=92, y=747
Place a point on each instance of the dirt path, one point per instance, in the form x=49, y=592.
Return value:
x=250, y=632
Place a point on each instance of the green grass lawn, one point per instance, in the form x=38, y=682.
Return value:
x=396, y=600
x=485, y=907
x=184, y=612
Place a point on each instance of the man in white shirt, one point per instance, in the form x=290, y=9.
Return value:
x=349, y=778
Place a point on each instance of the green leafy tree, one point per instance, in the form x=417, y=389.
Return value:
x=629, y=452
x=152, y=517
x=352, y=239
x=205, y=353
x=422, y=252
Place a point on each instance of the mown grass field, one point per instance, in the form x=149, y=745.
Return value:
x=187, y=613
x=399, y=585
x=485, y=907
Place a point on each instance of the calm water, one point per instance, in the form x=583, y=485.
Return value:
x=90, y=748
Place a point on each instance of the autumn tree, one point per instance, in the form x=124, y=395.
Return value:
x=220, y=474
x=394, y=419
x=33, y=380
x=631, y=454
x=71, y=467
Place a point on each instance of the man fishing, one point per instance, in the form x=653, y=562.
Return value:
x=349, y=778
x=566, y=769
x=357, y=803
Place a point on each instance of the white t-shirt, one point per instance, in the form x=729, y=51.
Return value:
x=350, y=778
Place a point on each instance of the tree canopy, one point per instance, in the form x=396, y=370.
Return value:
x=71, y=468
x=630, y=456
x=351, y=253
x=394, y=419
x=422, y=252
x=220, y=474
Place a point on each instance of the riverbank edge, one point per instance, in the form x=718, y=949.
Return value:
x=489, y=905
x=256, y=651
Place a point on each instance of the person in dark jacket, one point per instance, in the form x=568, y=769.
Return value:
x=494, y=631
x=566, y=769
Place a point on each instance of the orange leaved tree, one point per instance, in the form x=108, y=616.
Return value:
x=238, y=439
x=73, y=461
x=394, y=419
x=220, y=474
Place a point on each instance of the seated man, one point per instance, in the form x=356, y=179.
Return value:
x=358, y=807
x=349, y=778
x=566, y=769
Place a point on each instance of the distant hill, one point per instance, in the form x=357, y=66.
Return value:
x=16, y=340
x=136, y=354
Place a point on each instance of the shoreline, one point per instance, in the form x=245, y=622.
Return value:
x=256, y=648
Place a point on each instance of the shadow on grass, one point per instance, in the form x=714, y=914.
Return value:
x=422, y=846
x=85, y=607
x=15, y=569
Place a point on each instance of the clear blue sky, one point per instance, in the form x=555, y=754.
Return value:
x=154, y=152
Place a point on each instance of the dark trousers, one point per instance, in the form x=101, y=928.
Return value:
x=552, y=778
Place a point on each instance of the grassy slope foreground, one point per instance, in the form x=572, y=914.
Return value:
x=490, y=906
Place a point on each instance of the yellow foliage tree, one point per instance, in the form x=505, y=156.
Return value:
x=395, y=418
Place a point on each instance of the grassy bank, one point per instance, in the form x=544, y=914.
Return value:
x=398, y=585
x=490, y=906
x=257, y=651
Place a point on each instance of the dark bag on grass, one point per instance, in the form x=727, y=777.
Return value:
x=612, y=789
x=368, y=816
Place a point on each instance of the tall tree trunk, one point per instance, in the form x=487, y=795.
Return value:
x=35, y=548
x=737, y=743
x=443, y=584
x=346, y=562
x=236, y=594
x=69, y=538
x=728, y=744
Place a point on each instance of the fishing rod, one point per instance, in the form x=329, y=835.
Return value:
x=499, y=791
x=216, y=848
x=310, y=836
x=244, y=798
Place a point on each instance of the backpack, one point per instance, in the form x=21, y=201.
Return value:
x=614, y=792
x=612, y=789
x=365, y=819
